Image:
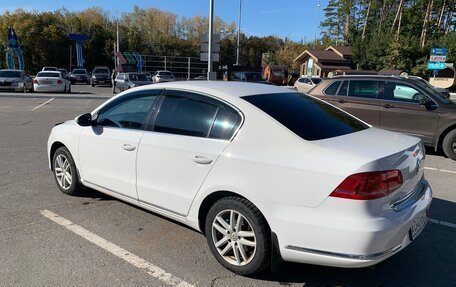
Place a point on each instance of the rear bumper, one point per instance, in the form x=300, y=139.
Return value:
x=328, y=236
x=49, y=88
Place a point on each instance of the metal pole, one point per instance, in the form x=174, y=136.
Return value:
x=69, y=70
x=165, y=63
x=115, y=56
x=188, y=71
x=209, y=50
x=238, y=33
x=117, y=42
x=316, y=23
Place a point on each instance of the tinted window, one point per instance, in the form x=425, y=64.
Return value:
x=48, y=75
x=137, y=77
x=130, y=113
x=79, y=72
x=316, y=80
x=307, y=117
x=185, y=116
x=165, y=74
x=10, y=74
x=363, y=89
x=225, y=124
x=332, y=89
x=101, y=71
x=401, y=92
x=343, y=89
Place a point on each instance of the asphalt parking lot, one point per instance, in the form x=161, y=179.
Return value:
x=51, y=239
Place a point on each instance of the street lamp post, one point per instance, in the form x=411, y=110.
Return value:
x=238, y=33
x=316, y=23
x=209, y=50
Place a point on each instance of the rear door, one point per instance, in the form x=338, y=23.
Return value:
x=401, y=111
x=189, y=133
x=358, y=97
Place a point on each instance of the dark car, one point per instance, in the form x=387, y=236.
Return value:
x=252, y=77
x=100, y=75
x=79, y=75
x=397, y=104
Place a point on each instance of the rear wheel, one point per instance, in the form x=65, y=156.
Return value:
x=65, y=173
x=449, y=144
x=238, y=236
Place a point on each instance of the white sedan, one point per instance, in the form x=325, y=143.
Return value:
x=51, y=81
x=264, y=172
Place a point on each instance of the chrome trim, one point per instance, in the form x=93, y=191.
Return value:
x=162, y=208
x=345, y=255
x=110, y=190
x=412, y=197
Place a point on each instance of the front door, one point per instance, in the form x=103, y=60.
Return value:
x=181, y=147
x=108, y=149
x=401, y=111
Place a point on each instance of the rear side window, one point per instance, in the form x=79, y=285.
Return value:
x=343, y=89
x=332, y=88
x=225, y=124
x=309, y=118
x=185, y=116
x=363, y=89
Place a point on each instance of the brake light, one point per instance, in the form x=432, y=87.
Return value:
x=59, y=81
x=35, y=81
x=369, y=185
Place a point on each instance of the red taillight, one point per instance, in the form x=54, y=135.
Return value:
x=35, y=81
x=369, y=185
x=59, y=81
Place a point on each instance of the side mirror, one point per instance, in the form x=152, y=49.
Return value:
x=84, y=120
x=424, y=101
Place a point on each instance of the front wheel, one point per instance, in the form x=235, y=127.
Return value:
x=449, y=144
x=238, y=236
x=65, y=173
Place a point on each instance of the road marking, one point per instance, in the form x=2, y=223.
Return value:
x=442, y=170
x=39, y=106
x=131, y=258
x=444, y=223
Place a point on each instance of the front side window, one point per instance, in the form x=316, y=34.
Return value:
x=185, y=116
x=363, y=89
x=401, y=92
x=309, y=118
x=129, y=113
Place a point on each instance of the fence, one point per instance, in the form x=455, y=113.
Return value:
x=182, y=67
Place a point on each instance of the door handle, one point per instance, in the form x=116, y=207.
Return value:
x=201, y=159
x=342, y=101
x=128, y=147
x=388, y=106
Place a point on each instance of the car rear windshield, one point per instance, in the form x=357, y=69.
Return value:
x=137, y=77
x=79, y=72
x=101, y=71
x=48, y=75
x=10, y=74
x=307, y=117
x=165, y=74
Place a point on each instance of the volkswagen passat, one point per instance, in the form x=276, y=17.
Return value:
x=264, y=172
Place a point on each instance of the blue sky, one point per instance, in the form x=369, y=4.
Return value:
x=294, y=19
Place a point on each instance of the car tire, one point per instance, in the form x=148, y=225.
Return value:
x=65, y=172
x=25, y=89
x=246, y=254
x=449, y=144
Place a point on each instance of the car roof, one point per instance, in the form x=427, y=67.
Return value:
x=223, y=89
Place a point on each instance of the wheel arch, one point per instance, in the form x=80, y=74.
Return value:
x=213, y=197
x=443, y=135
x=55, y=145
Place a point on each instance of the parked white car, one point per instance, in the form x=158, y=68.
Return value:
x=305, y=83
x=50, y=81
x=264, y=172
x=163, y=76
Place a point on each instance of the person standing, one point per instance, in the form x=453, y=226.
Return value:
x=113, y=80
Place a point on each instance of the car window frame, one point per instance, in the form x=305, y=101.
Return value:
x=377, y=90
x=330, y=84
x=216, y=101
x=382, y=95
x=123, y=98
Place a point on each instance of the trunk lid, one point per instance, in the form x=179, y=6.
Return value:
x=388, y=150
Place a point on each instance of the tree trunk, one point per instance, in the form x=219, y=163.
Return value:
x=399, y=8
x=399, y=25
x=367, y=19
x=426, y=21
x=442, y=11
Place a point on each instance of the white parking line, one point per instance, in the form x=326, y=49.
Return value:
x=39, y=106
x=444, y=223
x=442, y=170
x=131, y=258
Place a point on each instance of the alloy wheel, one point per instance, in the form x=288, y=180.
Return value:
x=63, y=172
x=234, y=237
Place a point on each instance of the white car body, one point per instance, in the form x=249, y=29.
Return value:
x=50, y=81
x=287, y=178
x=305, y=83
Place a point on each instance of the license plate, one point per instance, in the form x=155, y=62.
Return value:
x=418, y=224
x=47, y=82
